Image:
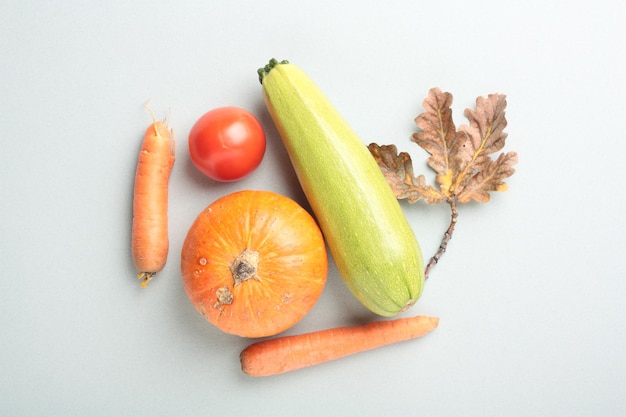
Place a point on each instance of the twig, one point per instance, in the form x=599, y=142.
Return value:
x=446, y=237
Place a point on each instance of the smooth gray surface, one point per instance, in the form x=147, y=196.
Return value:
x=530, y=293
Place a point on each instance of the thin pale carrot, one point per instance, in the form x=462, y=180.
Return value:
x=290, y=353
x=150, y=242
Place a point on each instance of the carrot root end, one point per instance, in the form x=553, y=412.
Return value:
x=145, y=277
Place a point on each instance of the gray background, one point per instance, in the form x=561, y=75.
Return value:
x=530, y=293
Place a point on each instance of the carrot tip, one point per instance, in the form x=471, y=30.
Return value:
x=145, y=277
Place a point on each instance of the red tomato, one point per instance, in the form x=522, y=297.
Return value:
x=227, y=143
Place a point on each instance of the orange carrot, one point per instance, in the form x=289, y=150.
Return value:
x=289, y=353
x=150, y=242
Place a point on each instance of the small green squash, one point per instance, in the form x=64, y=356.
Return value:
x=369, y=238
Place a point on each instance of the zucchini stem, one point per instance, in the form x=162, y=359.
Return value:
x=266, y=69
x=447, y=236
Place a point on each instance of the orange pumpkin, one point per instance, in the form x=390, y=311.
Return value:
x=254, y=263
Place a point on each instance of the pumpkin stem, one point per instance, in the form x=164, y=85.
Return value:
x=245, y=266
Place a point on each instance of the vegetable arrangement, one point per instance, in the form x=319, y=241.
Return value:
x=254, y=263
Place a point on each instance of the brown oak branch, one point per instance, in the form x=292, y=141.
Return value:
x=446, y=237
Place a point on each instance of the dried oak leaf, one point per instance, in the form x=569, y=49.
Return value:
x=438, y=137
x=461, y=158
x=478, y=173
x=398, y=170
x=490, y=178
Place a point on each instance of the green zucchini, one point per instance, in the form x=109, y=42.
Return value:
x=368, y=236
